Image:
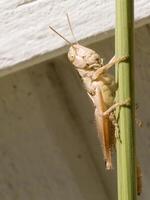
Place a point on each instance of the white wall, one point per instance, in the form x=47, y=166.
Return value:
x=26, y=39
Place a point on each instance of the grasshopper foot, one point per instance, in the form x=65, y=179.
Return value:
x=120, y=59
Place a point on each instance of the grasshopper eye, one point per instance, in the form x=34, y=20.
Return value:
x=97, y=59
x=71, y=58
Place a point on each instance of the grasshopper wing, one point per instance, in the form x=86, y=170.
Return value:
x=104, y=127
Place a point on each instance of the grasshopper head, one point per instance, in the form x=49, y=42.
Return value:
x=83, y=57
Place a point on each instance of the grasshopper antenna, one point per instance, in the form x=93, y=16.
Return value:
x=60, y=35
x=71, y=28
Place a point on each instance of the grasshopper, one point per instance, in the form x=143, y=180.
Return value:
x=101, y=88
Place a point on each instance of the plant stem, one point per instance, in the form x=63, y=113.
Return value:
x=125, y=78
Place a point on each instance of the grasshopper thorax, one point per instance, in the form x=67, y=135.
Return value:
x=83, y=57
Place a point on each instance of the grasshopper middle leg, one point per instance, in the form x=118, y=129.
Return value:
x=114, y=106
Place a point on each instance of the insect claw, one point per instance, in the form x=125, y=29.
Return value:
x=122, y=59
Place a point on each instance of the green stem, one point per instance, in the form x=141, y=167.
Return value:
x=125, y=77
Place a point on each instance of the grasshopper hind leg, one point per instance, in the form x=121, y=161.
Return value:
x=104, y=129
x=114, y=121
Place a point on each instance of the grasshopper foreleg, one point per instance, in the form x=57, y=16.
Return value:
x=110, y=64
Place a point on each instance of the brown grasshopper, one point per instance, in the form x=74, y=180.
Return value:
x=100, y=87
